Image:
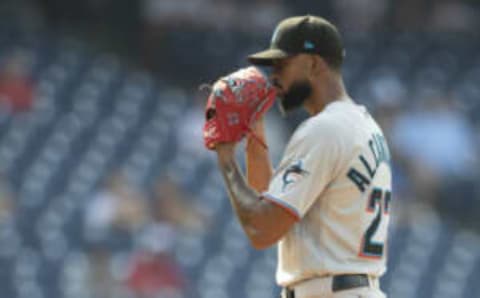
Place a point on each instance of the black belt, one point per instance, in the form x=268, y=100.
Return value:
x=340, y=283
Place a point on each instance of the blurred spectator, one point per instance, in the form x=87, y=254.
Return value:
x=101, y=281
x=438, y=137
x=436, y=144
x=409, y=15
x=116, y=207
x=24, y=16
x=360, y=16
x=173, y=206
x=216, y=29
x=258, y=15
x=303, y=7
x=16, y=87
x=111, y=24
x=453, y=16
x=119, y=208
x=173, y=13
x=153, y=272
x=436, y=15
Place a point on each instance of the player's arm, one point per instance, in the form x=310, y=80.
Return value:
x=263, y=221
x=258, y=165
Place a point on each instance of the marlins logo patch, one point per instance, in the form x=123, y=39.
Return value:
x=293, y=173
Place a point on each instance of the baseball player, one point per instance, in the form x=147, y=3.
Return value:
x=327, y=203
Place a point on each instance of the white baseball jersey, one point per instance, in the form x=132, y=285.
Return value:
x=335, y=178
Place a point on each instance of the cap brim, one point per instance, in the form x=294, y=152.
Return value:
x=266, y=58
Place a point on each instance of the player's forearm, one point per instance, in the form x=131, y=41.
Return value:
x=258, y=165
x=258, y=217
x=243, y=198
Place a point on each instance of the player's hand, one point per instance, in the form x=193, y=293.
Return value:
x=256, y=140
x=259, y=127
x=236, y=102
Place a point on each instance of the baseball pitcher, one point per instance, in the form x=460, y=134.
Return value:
x=326, y=205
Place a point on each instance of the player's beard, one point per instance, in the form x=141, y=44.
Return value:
x=295, y=96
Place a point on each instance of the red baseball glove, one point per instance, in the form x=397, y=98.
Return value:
x=234, y=104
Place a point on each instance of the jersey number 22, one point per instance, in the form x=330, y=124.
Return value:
x=379, y=202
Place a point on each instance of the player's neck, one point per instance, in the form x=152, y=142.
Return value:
x=327, y=90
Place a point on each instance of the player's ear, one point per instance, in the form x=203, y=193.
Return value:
x=317, y=65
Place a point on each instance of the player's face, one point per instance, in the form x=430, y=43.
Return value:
x=290, y=77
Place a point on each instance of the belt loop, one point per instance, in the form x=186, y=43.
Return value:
x=288, y=293
x=372, y=282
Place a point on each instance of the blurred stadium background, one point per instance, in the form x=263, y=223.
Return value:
x=106, y=190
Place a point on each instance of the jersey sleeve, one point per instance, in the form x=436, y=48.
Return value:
x=305, y=171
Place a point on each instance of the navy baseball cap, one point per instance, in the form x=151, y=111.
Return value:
x=303, y=34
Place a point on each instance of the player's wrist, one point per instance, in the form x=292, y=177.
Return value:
x=256, y=150
x=256, y=142
x=225, y=152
